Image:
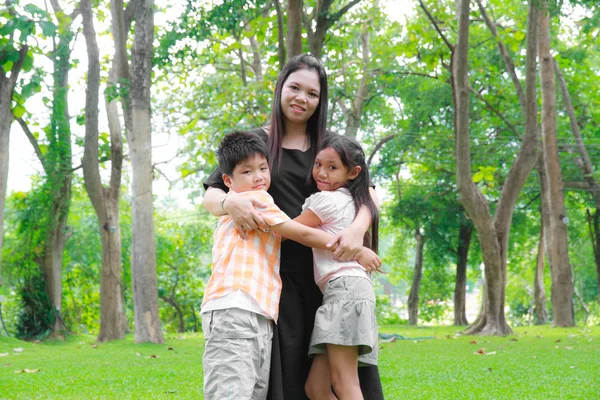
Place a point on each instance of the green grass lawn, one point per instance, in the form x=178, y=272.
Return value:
x=534, y=363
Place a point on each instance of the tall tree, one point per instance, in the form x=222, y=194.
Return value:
x=143, y=265
x=104, y=199
x=558, y=251
x=413, y=297
x=493, y=232
x=294, y=28
x=13, y=54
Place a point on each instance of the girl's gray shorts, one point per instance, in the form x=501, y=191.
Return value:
x=347, y=317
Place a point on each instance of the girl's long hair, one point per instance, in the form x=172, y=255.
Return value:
x=316, y=123
x=352, y=155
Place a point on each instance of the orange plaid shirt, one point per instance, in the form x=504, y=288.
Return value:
x=250, y=265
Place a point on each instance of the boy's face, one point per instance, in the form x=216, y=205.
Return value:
x=251, y=174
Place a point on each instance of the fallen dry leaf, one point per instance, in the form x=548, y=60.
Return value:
x=473, y=342
x=480, y=351
x=152, y=356
x=491, y=353
x=558, y=341
x=170, y=348
x=27, y=371
x=7, y=365
x=94, y=346
x=557, y=347
x=19, y=350
x=568, y=347
x=572, y=366
x=3, y=354
x=514, y=340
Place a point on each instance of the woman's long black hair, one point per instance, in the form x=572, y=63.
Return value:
x=317, y=122
x=352, y=155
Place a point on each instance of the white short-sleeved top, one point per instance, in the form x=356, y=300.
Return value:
x=336, y=211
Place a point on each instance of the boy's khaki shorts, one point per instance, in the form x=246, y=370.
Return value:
x=237, y=354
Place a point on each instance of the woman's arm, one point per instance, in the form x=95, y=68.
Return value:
x=241, y=209
x=351, y=239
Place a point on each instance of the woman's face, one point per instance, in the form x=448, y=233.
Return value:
x=300, y=96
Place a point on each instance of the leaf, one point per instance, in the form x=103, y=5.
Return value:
x=19, y=111
x=480, y=352
x=473, y=342
x=3, y=354
x=28, y=62
x=27, y=371
x=48, y=28
x=478, y=177
x=7, y=66
x=19, y=350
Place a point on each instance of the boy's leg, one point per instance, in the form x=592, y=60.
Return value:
x=343, y=366
x=318, y=384
x=232, y=354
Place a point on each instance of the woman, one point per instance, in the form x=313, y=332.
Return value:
x=298, y=125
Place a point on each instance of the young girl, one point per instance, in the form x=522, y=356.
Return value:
x=345, y=330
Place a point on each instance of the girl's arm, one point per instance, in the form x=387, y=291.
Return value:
x=241, y=209
x=350, y=240
x=365, y=257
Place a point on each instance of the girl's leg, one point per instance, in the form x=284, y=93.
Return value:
x=343, y=367
x=318, y=384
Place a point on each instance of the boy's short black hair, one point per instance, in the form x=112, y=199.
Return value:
x=239, y=146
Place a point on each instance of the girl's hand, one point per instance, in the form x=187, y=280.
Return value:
x=243, y=213
x=369, y=260
x=350, y=244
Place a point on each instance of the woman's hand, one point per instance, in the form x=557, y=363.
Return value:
x=369, y=260
x=243, y=213
x=350, y=244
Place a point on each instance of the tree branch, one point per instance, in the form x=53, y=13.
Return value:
x=33, y=141
x=495, y=111
x=378, y=146
x=436, y=26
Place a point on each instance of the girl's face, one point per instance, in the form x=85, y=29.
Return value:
x=330, y=173
x=300, y=96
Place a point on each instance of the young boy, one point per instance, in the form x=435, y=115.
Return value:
x=241, y=299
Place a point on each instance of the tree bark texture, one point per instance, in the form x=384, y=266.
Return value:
x=324, y=20
x=539, y=292
x=354, y=114
x=143, y=263
x=460, y=287
x=104, y=200
x=562, y=284
x=280, y=35
x=7, y=86
x=594, y=228
x=294, y=28
x=413, y=297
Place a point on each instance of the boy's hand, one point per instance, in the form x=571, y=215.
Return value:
x=369, y=260
x=243, y=213
x=350, y=244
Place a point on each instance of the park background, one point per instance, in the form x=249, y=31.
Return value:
x=104, y=236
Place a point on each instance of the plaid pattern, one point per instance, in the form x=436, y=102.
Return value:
x=250, y=265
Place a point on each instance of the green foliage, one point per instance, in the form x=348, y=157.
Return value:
x=37, y=316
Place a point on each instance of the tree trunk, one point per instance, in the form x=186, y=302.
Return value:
x=558, y=252
x=541, y=313
x=413, y=298
x=143, y=264
x=493, y=235
x=280, y=35
x=105, y=201
x=594, y=228
x=7, y=86
x=460, y=288
x=355, y=113
x=59, y=174
x=294, y=28
x=6, y=119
